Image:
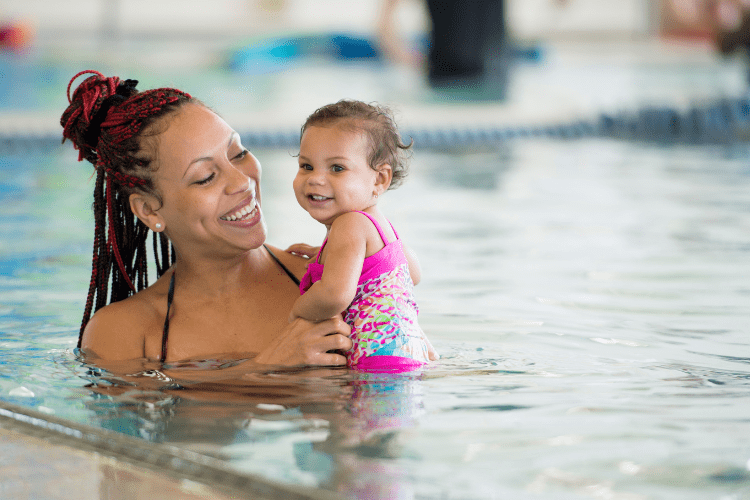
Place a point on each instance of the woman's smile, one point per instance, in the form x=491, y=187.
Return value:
x=246, y=211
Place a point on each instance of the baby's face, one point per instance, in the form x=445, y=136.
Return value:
x=334, y=176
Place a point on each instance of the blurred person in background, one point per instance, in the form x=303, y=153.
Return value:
x=725, y=22
x=467, y=55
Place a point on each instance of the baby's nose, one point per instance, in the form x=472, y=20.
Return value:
x=316, y=178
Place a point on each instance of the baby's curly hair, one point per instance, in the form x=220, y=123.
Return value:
x=377, y=123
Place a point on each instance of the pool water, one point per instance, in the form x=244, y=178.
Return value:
x=589, y=299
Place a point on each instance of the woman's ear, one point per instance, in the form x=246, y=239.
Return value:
x=383, y=178
x=144, y=206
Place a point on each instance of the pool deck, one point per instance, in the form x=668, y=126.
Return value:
x=35, y=468
x=48, y=457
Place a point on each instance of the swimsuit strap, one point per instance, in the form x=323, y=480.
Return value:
x=165, y=333
x=377, y=226
x=170, y=299
x=394, y=230
x=282, y=266
x=317, y=257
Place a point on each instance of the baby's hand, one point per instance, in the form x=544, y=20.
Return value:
x=431, y=352
x=303, y=250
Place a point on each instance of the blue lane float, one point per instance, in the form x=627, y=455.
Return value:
x=724, y=121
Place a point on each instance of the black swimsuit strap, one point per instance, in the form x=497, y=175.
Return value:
x=165, y=333
x=282, y=266
x=170, y=298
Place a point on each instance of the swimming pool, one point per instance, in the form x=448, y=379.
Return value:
x=589, y=299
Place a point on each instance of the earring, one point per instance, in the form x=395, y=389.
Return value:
x=158, y=225
x=375, y=195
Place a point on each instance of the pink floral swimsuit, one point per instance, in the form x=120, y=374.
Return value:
x=383, y=314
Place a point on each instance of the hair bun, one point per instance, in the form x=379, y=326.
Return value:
x=86, y=100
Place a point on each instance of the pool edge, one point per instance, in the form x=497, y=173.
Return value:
x=157, y=458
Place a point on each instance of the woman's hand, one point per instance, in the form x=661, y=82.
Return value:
x=305, y=343
x=303, y=250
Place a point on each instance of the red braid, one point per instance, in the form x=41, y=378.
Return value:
x=113, y=239
x=91, y=92
x=104, y=121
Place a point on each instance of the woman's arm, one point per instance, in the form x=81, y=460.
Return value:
x=115, y=338
x=299, y=343
x=306, y=343
x=345, y=253
x=303, y=250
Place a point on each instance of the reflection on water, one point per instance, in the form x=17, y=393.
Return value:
x=588, y=298
x=338, y=430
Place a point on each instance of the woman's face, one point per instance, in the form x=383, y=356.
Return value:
x=209, y=184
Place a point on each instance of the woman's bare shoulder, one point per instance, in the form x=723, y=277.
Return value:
x=296, y=264
x=119, y=330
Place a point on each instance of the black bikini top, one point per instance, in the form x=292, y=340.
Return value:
x=170, y=298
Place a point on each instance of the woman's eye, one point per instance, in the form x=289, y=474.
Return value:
x=242, y=154
x=206, y=180
x=305, y=166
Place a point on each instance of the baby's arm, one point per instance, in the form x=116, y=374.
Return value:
x=414, y=269
x=345, y=253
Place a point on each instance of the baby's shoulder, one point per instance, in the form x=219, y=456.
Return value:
x=353, y=221
x=353, y=227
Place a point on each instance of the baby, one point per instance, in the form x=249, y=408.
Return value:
x=350, y=154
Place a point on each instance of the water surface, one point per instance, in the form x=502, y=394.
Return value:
x=589, y=299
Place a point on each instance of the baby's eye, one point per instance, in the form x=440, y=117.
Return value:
x=337, y=168
x=206, y=180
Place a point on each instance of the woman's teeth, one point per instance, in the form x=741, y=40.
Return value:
x=244, y=213
x=315, y=197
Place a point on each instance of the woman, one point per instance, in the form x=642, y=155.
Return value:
x=168, y=164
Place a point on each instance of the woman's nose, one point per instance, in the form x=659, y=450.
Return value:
x=239, y=182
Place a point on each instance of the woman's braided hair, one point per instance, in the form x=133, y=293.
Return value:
x=106, y=121
x=379, y=127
